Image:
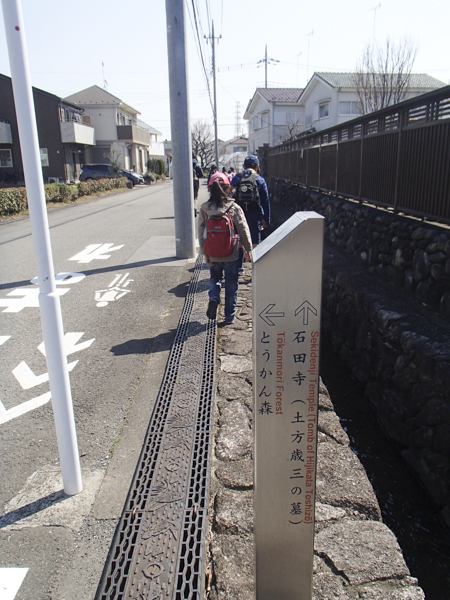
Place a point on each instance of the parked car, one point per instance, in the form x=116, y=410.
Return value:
x=98, y=171
x=135, y=178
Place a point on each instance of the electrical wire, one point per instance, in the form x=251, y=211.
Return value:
x=199, y=48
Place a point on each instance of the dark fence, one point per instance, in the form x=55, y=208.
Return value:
x=396, y=157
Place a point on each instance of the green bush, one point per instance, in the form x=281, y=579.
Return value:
x=14, y=200
x=156, y=166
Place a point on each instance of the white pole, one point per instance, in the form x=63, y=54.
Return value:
x=49, y=301
x=183, y=187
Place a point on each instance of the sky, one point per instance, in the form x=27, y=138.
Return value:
x=74, y=45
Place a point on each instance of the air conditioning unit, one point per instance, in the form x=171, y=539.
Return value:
x=53, y=179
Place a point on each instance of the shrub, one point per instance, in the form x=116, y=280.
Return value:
x=13, y=200
x=149, y=177
x=156, y=165
x=59, y=192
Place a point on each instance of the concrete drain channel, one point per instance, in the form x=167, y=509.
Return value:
x=158, y=549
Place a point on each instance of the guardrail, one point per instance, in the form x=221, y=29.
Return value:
x=397, y=157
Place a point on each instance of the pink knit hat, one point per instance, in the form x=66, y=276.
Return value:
x=220, y=177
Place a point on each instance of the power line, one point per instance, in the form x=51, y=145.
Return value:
x=199, y=50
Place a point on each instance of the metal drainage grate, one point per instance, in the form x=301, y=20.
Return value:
x=158, y=550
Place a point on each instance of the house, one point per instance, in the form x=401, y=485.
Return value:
x=118, y=130
x=330, y=98
x=273, y=115
x=233, y=152
x=237, y=144
x=64, y=132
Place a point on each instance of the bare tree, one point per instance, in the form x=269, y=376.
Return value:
x=293, y=128
x=114, y=160
x=383, y=74
x=202, y=142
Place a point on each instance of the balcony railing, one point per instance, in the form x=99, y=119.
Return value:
x=133, y=134
x=73, y=132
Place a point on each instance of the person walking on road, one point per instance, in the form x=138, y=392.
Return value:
x=220, y=219
x=252, y=195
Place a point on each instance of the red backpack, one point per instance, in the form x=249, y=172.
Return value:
x=220, y=237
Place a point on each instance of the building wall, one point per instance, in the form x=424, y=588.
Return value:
x=48, y=126
x=104, y=121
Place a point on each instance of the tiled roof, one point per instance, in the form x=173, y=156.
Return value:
x=346, y=80
x=280, y=94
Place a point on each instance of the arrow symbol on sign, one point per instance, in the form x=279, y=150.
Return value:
x=28, y=379
x=267, y=316
x=305, y=308
x=70, y=343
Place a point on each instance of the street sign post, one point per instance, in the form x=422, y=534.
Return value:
x=287, y=286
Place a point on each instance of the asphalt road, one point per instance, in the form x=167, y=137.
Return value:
x=120, y=302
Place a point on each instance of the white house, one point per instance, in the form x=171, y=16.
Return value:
x=330, y=98
x=273, y=115
x=237, y=144
x=117, y=129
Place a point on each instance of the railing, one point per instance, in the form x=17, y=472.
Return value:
x=76, y=118
x=397, y=157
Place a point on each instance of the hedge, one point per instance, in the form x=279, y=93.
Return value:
x=14, y=200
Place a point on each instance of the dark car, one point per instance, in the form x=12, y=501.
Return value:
x=135, y=178
x=98, y=171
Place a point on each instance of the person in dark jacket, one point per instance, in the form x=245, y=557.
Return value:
x=220, y=202
x=258, y=220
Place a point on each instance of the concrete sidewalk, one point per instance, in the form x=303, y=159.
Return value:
x=356, y=555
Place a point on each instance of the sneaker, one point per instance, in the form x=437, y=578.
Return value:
x=229, y=320
x=212, y=309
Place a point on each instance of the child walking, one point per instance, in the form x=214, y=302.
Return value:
x=220, y=203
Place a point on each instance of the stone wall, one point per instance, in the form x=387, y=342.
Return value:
x=404, y=251
x=385, y=293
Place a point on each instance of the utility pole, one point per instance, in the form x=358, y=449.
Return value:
x=183, y=187
x=266, y=60
x=307, y=64
x=237, y=130
x=216, y=143
x=375, y=8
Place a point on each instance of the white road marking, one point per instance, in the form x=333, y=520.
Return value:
x=64, y=278
x=70, y=343
x=4, y=338
x=11, y=579
x=95, y=252
x=29, y=298
x=21, y=409
x=113, y=291
x=28, y=379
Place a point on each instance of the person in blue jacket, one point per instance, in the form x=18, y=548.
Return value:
x=258, y=220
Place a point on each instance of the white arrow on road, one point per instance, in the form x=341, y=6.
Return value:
x=4, y=338
x=28, y=379
x=70, y=344
x=10, y=581
x=95, y=252
x=305, y=308
x=29, y=299
x=21, y=409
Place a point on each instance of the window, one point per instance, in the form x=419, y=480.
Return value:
x=349, y=107
x=308, y=120
x=5, y=158
x=324, y=110
x=44, y=157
